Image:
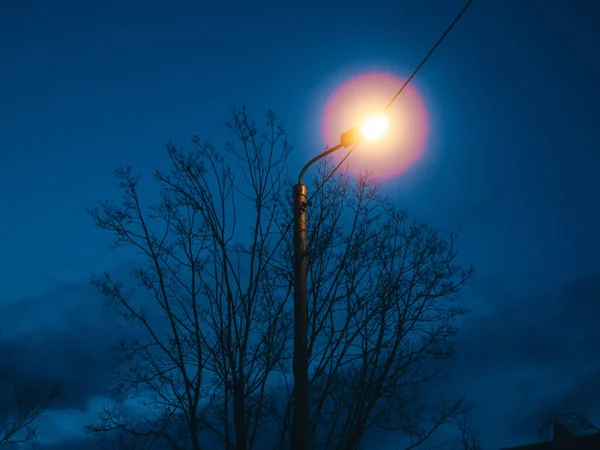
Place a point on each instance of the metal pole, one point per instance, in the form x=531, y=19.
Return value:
x=300, y=438
x=300, y=417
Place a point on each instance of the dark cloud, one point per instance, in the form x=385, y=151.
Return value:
x=519, y=361
x=91, y=443
x=557, y=332
x=525, y=358
x=61, y=338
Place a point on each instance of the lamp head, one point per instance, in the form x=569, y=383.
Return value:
x=371, y=129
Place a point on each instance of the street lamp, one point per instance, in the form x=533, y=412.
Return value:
x=371, y=129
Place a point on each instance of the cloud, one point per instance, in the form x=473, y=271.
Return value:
x=518, y=361
x=526, y=356
x=61, y=338
x=556, y=332
x=89, y=443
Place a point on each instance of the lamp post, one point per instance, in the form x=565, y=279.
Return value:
x=371, y=130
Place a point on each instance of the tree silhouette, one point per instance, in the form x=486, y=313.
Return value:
x=469, y=435
x=213, y=357
x=22, y=404
x=569, y=421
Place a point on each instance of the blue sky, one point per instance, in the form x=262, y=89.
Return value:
x=512, y=158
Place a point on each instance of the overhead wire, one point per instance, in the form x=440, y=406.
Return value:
x=408, y=80
x=435, y=46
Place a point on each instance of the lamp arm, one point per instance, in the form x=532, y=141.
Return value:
x=315, y=159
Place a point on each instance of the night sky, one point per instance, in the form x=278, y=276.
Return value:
x=512, y=159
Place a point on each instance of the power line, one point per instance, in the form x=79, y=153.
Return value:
x=408, y=80
x=435, y=46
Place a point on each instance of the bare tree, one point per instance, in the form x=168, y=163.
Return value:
x=220, y=321
x=469, y=435
x=214, y=353
x=572, y=422
x=22, y=404
x=381, y=291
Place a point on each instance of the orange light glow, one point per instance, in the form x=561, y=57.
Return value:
x=392, y=143
x=374, y=127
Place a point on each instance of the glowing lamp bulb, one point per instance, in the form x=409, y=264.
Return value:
x=374, y=127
